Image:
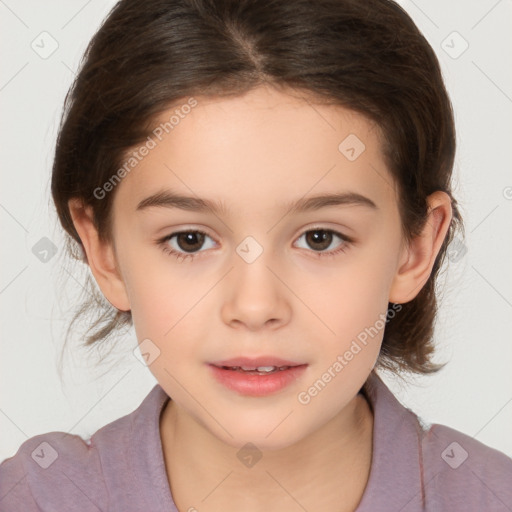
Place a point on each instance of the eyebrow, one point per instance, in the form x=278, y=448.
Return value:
x=170, y=199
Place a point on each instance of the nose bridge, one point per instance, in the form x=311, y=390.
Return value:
x=252, y=267
x=255, y=294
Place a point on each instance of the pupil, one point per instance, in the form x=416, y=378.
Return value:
x=324, y=239
x=190, y=238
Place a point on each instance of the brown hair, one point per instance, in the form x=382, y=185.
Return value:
x=367, y=56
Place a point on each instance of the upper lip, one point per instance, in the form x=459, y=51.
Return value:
x=255, y=362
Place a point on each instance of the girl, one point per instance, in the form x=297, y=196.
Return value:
x=263, y=190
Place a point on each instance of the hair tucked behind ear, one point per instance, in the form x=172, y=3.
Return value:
x=366, y=56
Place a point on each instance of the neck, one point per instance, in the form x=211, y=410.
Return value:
x=327, y=470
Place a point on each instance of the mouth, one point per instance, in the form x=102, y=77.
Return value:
x=254, y=363
x=260, y=370
x=257, y=376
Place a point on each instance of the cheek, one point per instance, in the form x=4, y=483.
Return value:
x=358, y=292
x=165, y=311
x=167, y=306
x=354, y=305
x=160, y=291
x=356, y=311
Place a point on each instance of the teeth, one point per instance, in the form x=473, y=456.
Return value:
x=260, y=369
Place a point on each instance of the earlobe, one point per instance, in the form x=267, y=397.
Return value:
x=417, y=260
x=100, y=256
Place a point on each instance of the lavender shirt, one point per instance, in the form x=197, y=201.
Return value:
x=122, y=468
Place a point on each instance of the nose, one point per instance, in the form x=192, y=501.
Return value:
x=254, y=295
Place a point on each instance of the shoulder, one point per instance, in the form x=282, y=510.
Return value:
x=121, y=466
x=52, y=471
x=461, y=470
x=417, y=466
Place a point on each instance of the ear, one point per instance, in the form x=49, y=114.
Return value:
x=100, y=256
x=418, y=258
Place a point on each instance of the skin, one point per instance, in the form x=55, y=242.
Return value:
x=255, y=153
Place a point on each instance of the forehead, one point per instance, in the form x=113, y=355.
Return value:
x=263, y=147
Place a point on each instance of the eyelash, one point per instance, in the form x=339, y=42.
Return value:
x=320, y=254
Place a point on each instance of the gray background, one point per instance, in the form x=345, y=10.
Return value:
x=42, y=43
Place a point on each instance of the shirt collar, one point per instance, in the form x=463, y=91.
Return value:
x=395, y=481
x=395, y=477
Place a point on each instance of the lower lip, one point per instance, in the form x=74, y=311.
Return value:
x=257, y=385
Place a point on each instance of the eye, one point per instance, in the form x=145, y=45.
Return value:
x=185, y=245
x=322, y=239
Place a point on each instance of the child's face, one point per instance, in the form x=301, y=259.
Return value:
x=257, y=155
